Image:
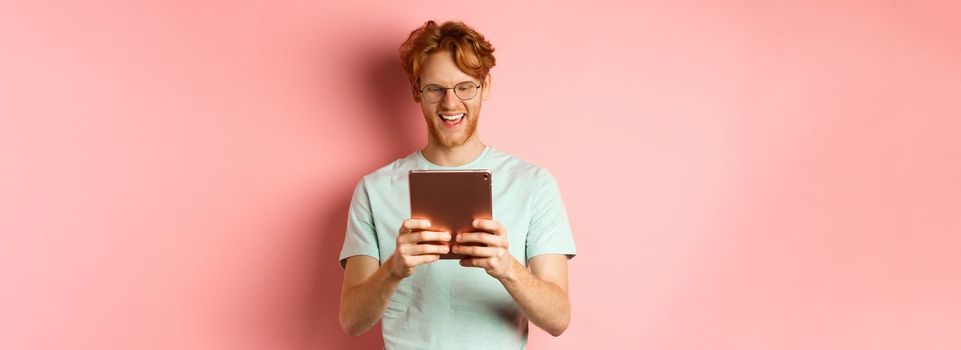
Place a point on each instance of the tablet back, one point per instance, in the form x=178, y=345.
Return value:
x=450, y=199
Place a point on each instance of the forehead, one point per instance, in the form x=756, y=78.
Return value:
x=439, y=68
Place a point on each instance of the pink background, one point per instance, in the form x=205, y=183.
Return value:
x=745, y=175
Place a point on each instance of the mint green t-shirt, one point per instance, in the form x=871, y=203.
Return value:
x=444, y=305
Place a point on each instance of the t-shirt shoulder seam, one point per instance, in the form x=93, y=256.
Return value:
x=389, y=169
x=523, y=164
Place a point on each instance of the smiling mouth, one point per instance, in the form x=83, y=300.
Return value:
x=452, y=120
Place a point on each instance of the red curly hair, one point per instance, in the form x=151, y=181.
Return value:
x=473, y=54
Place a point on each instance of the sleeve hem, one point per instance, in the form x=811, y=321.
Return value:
x=570, y=254
x=343, y=261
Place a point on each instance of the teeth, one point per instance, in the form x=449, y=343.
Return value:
x=452, y=117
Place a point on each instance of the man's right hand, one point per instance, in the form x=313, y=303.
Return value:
x=414, y=247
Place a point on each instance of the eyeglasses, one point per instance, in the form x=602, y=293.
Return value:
x=464, y=90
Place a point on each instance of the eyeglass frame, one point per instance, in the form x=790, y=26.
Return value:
x=476, y=86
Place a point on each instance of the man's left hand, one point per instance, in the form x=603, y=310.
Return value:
x=494, y=257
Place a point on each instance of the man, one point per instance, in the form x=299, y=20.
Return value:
x=520, y=274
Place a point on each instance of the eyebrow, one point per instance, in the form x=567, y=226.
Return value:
x=465, y=81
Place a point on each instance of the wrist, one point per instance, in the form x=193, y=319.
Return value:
x=392, y=274
x=513, y=273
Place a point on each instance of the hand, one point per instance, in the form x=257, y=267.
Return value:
x=494, y=256
x=413, y=249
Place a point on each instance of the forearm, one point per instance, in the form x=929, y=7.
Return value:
x=362, y=305
x=545, y=304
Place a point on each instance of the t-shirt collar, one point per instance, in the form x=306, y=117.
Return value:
x=426, y=164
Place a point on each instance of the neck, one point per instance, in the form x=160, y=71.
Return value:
x=453, y=156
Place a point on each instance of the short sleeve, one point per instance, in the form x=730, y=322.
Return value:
x=550, y=231
x=361, y=237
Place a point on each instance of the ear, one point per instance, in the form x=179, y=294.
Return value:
x=486, y=89
x=415, y=93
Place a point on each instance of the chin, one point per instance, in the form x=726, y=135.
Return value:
x=448, y=140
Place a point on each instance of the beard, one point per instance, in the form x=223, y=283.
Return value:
x=446, y=139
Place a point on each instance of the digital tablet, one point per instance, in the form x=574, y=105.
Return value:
x=451, y=200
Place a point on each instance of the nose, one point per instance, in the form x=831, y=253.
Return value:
x=450, y=100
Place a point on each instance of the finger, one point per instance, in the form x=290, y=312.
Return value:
x=421, y=249
x=482, y=237
x=484, y=252
x=423, y=236
x=410, y=225
x=422, y=259
x=473, y=262
x=491, y=226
